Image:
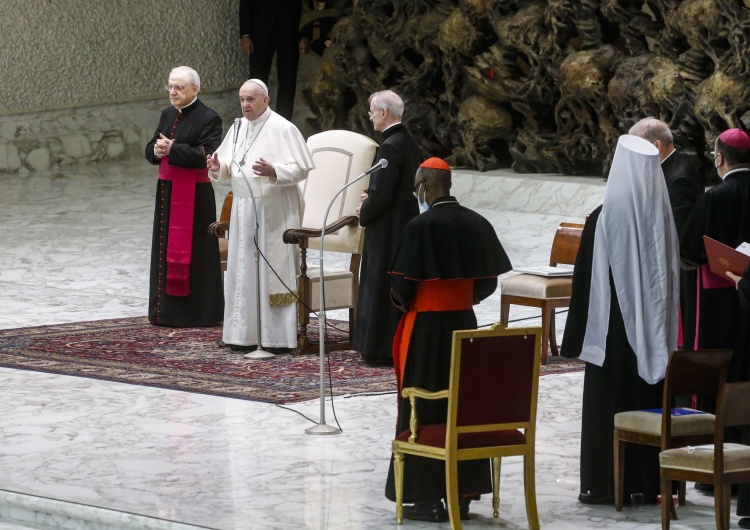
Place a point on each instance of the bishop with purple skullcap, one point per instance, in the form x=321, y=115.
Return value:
x=736, y=138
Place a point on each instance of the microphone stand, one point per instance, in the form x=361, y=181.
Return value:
x=259, y=352
x=321, y=427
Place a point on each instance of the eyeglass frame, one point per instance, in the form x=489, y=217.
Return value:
x=179, y=88
x=371, y=112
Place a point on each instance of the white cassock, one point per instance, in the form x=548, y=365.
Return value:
x=278, y=206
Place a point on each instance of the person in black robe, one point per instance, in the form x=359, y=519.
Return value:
x=387, y=205
x=187, y=131
x=268, y=28
x=723, y=214
x=639, y=217
x=685, y=187
x=449, y=257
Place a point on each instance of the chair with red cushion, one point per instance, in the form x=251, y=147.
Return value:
x=492, y=401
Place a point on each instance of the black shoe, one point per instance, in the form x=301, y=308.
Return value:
x=431, y=512
x=744, y=522
x=463, y=509
x=589, y=498
x=241, y=348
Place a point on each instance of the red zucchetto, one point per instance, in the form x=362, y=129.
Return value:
x=736, y=138
x=436, y=163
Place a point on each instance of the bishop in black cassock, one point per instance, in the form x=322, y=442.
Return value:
x=187, y=131
x=723, y=214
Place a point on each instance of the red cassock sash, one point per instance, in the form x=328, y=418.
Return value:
x=432, y=295
x=180, y=236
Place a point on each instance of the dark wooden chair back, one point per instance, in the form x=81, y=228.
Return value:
x=695, y=372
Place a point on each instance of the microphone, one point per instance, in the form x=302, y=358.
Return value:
x=382, y=163
x=236, y=132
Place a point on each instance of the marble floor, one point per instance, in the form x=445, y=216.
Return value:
x=86, y=454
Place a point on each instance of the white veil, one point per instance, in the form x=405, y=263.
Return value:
x=636, y=239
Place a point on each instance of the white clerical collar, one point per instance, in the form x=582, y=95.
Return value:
x=260, y=119
x=186, y=106
x=670, y=154
x=739, y=169
x=392, y=125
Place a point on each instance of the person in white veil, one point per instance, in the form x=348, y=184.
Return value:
x=623, y=316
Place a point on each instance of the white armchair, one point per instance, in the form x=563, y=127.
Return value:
x=340, y=157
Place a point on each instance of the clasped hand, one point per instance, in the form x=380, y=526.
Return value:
x=163, y=146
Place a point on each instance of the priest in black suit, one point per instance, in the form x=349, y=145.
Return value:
x=387, y=205
x=185, y=282
x=269, y=27
x=685, y=187
x=448, y=259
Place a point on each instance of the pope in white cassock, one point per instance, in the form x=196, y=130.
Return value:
x=270, y=154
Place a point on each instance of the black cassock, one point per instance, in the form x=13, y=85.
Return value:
x=447, y=242
x=609, y=389
x=723, y=214
x=196, y=133
x=390, y=205
x=741, y=348
x=685, y=187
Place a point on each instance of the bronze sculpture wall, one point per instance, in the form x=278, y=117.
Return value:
x=540, y=85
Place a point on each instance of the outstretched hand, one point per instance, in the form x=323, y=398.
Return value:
x=212, y=162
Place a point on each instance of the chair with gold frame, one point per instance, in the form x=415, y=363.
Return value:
x=492, y=402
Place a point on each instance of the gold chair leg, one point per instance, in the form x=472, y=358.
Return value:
x=451, y=493
x=529, y=486
x=398, y=477
x=496, y=487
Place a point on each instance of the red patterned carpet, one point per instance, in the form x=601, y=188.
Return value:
x=130, y=350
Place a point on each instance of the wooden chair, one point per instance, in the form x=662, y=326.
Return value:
x=492, y=401
x=688, y=373
x=721, y=464
x=544, y=292
x=340, y=157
